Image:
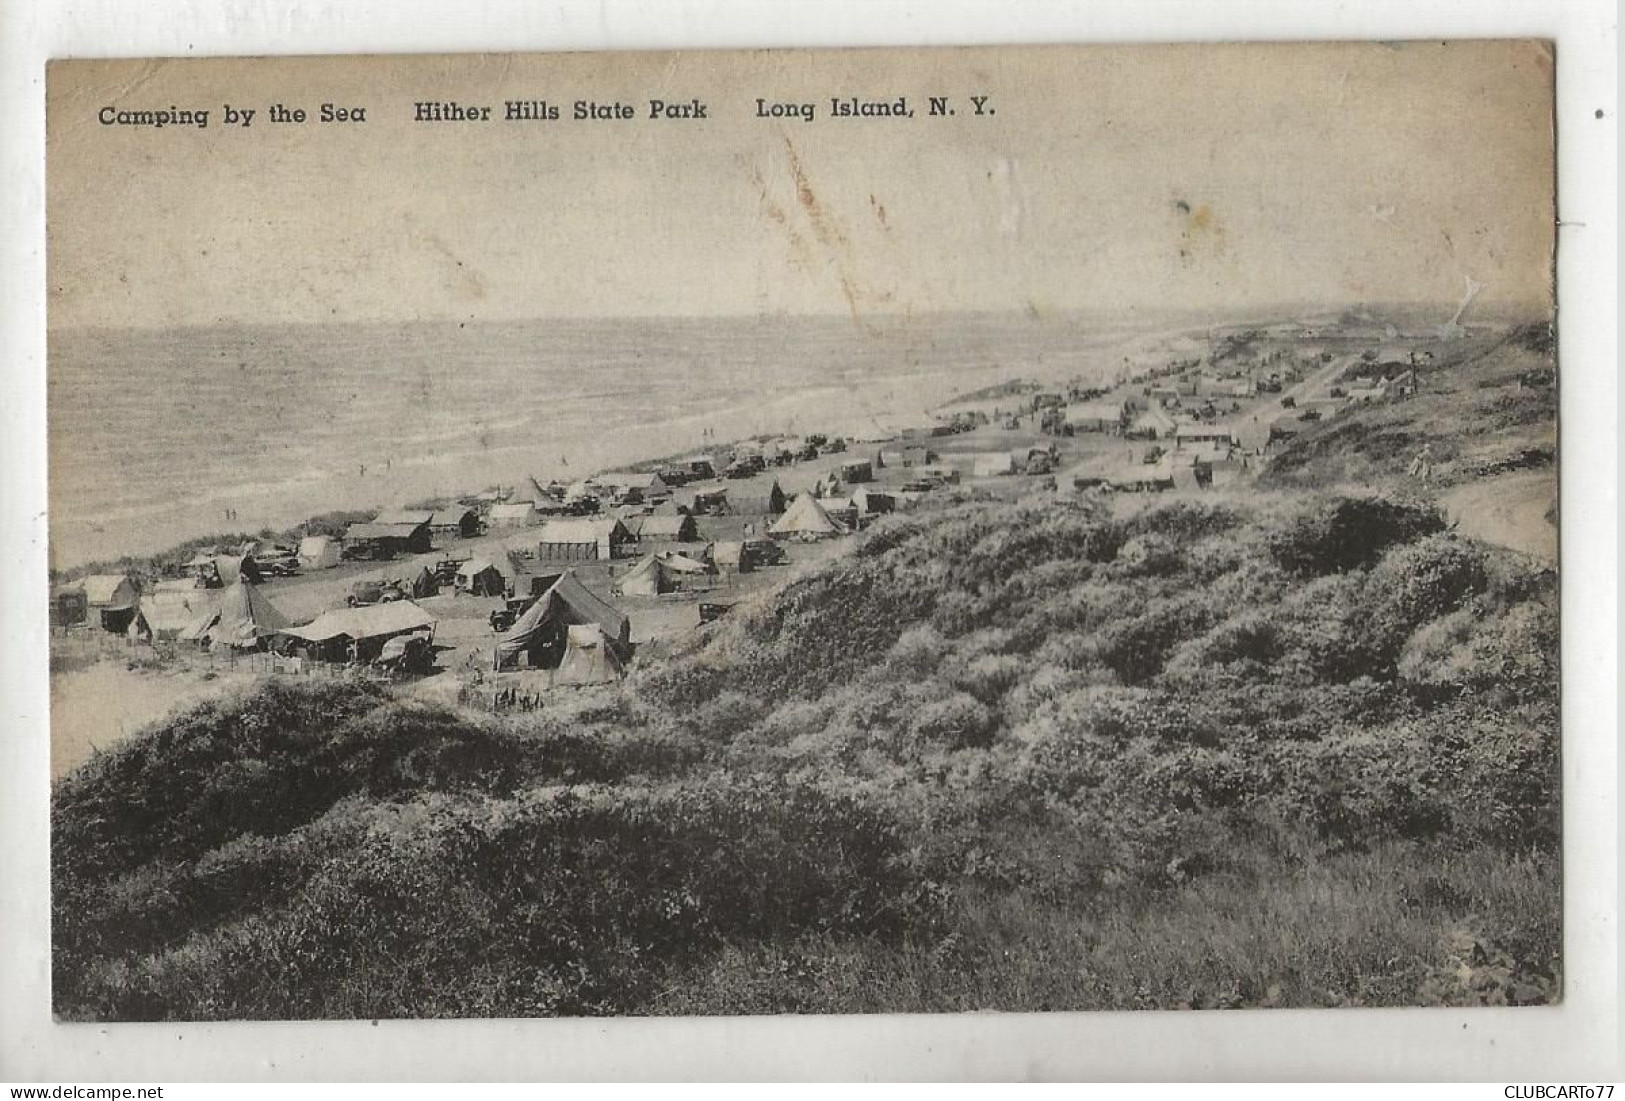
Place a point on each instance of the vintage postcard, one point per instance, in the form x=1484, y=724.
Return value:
x=861, y=531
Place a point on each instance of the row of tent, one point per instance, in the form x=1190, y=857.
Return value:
x=568, y=628
x=243, y=617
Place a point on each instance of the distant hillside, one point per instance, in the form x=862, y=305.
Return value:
x=1485, y=405
x=1301, y=750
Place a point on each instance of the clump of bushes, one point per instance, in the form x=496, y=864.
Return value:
x=1348, y=532
x=1005, y=706
x=562, y=900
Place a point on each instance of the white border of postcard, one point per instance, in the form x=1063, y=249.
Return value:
x=1573, y=1042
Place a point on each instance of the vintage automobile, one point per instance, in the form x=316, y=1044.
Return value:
x=363, y=593
x=762, y=552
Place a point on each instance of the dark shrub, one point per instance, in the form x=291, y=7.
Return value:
x=1349, y=533
x=956, y=721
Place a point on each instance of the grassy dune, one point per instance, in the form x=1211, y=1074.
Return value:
x=1295, y=750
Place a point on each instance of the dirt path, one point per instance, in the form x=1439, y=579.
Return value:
x=1509, y=511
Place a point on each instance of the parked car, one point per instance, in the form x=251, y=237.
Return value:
x=762, y=552
x=363, y=593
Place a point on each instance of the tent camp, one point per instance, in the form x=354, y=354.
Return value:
x=647, y=578
x=745, y=501
x=841, y=510
x=589, y=657
x=1204, y=437
x=165, y=615
x=232, y=568
x=513, y=514
x=540, y=633
x=454, y=523
x=217, y=571
x=318, y=552
x=1133, y=477
x=423, y=583
x=404, y=517
x=110, y=600
x=480, y=577
x=1094, y=416
x=1153, y=424
x=675, y=527
x=330, y=636
x=663, y=573
x=394, y=533
x=582, y=540
x=871, y=503
x=730, y=557
x=243, y=619
x=805, y=519
x=991, y=464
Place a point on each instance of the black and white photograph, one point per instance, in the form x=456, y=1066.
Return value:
x=741, y=533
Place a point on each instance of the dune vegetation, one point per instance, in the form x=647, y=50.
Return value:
x=1294, y=749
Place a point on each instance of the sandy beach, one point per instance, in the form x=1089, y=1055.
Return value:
x=280, y=423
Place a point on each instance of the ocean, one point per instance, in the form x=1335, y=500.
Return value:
x=154, y=434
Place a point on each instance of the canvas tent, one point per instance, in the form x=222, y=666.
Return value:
x=805, y=519
x=647, y=578
x=870, y=502
x=1204, y=437
x=1094, y=416
x=730, y=557
x=393, y=533
x=1153, y=424
x=1135, y=477
x=455, y=523
x=645, y=485
x=425, y=583
x=589, y=657
x=662, y=573
x=743, y=502
x=243, y=618
x=367, y=627
x=481, y=577
x=318, y=552
x=513, y=514
x=678, y=527
x=165, y=616
x=840, y=509
x=401, y=517
x=539, y=633
x=110, y=600
x=582, y=540
x=232, y=568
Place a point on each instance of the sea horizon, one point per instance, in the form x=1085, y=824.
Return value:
x=161, y=435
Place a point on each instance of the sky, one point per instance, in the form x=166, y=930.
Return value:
x=1222, y=178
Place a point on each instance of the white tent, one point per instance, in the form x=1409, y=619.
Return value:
x=806, y=519
x=589, y=657
x=318, y=552
x=514, y=514
x=647, y=578
x=242, y=619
